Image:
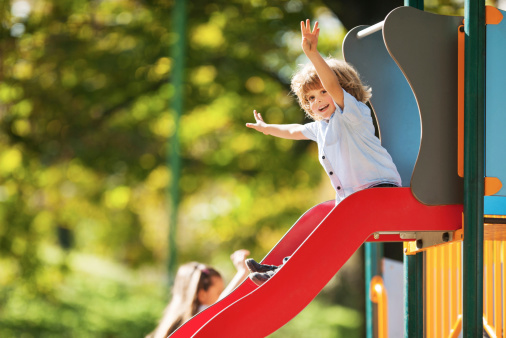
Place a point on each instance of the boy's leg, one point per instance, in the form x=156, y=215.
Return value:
x=254, y=266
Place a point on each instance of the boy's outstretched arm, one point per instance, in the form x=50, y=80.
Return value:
x=288, y=131
x=327, y=76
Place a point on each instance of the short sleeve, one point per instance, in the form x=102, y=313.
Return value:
x=309, y=130
x=355, y=111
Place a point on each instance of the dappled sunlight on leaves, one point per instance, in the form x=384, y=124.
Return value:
x=88, y=125
x=207, y=36
x=10, y=160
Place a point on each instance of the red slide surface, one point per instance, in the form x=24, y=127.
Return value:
x=285, y=247
x=317, y=253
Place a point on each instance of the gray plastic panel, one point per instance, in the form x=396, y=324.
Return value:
x=424, y=45
x=392, y=100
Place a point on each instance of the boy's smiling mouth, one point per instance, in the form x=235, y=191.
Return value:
x=323, y=108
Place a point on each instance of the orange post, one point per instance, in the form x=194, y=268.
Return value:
x=497, y=288
x=456, y=328
x=503, y=254
x=453, y=286
x=439, y=294
x=489, y=282
x=459, y=277
x=460, y=103
x=429, y=302
x=490, y=330
x=445, y=290
x=379, y=296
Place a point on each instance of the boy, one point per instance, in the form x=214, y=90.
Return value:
x=331, y=93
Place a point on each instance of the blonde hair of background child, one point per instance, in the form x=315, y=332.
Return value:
x=190, y=279
x=306, y=79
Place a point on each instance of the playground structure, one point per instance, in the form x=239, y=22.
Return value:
x=411, y=62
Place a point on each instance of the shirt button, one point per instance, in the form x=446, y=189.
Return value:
x=338, y=188
x=331, y=173
x=323, y=157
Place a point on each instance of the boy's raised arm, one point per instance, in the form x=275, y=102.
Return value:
x=327, y=76
x=288, y=131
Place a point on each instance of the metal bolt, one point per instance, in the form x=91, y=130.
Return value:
x=419, y=244
x=446, y=237
x=376, y=236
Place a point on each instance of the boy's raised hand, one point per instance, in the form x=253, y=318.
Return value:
x=259, y=125
x=309, y=38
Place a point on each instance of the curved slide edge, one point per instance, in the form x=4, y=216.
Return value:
x=322, y=254
x=285, y=247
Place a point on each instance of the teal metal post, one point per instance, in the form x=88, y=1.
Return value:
x=418, y=4
x=474, y=121
x=413, y=269
x=373, y=253
x=413, y=296
x=178, y=55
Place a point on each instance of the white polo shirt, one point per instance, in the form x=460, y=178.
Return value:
x=350, y=153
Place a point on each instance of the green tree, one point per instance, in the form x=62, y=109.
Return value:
x=85, y=122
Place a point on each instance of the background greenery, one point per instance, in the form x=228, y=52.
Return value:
x=86, y=125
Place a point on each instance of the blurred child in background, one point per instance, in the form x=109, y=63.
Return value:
x=196, y=287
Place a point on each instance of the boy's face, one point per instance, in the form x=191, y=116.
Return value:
x=321, y=103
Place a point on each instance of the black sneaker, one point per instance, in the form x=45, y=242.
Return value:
x=259, y=278
x=257, y=267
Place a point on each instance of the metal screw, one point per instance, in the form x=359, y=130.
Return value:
x=446, y=237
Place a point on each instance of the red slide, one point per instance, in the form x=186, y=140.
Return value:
x=285, y=247
x=317, y=253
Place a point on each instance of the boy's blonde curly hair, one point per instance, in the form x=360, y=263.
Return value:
x=306, y=79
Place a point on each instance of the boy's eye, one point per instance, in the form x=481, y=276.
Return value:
x=324, y=91
x=311, y=98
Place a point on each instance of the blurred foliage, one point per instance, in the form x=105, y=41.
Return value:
x=86, y=123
